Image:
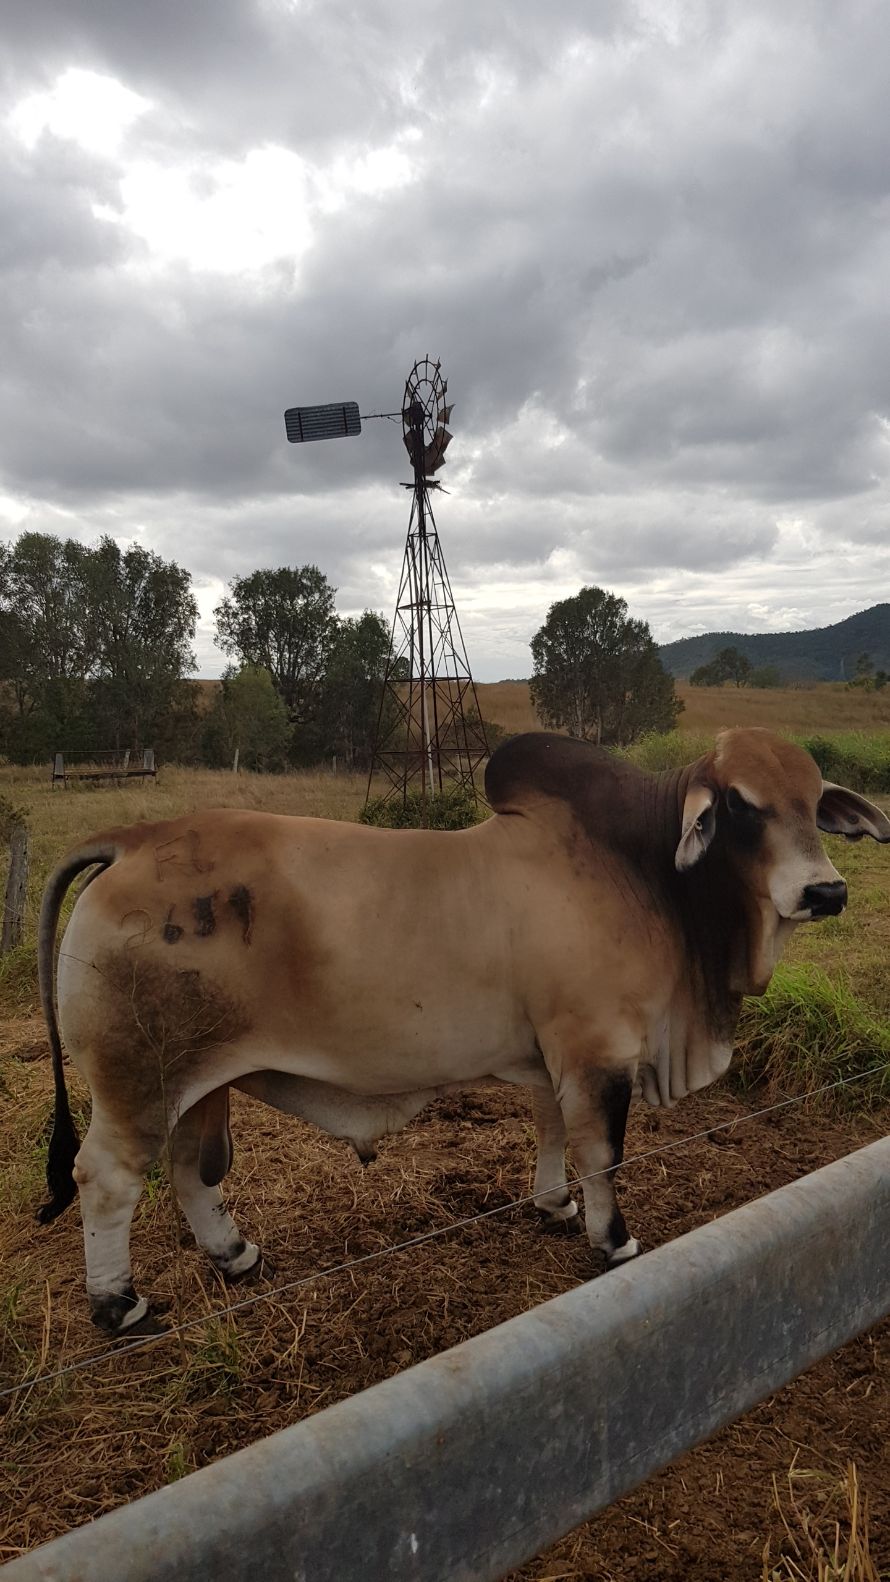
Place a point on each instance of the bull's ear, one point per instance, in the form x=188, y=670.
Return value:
x=699, y=825
x=843, y=812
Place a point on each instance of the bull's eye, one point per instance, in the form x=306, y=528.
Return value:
x=738, y=806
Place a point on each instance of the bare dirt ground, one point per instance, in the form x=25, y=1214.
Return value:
x=98, y=1438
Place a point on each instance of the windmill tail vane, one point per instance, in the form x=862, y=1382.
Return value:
x=430, y=734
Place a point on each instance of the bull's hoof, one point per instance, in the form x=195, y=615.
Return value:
x=625, y=1254
x=554, y=1225
x=233, y=1275
x=562, y=1221
x=148, y=1324
x=120, y=1313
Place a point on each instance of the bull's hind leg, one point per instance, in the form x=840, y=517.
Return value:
x=110, y=1171
x=554, y=1202
x=200, y=1157
x=594, y=1105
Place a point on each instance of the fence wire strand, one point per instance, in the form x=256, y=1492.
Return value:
x=120, y=1348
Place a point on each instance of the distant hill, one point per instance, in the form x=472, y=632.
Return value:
x=827, y=654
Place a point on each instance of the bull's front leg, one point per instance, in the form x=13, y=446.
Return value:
x=594, y=1103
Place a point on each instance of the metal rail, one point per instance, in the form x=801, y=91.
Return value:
x=472, y=1462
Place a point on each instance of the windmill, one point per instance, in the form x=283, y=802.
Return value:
x=430, y=733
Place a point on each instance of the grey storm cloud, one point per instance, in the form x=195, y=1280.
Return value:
x=648, y=242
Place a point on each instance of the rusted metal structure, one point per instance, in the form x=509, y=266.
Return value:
x=430, y=734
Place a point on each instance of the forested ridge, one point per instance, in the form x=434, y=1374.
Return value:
x=827, y=653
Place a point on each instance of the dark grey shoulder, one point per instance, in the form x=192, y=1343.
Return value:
x=543, y=763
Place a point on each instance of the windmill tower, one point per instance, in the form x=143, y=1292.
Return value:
x=430, y=734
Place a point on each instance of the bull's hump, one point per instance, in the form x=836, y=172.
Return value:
x=543, y=764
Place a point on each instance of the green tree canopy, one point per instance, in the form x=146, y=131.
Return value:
x=94, y=642
x=248, y=715
x=284, y=622
x=597, y=671
x=864, y=674
x=351, y=691
x=44, y=636
x=765, y=676
x=730, y=664
x=139, y=614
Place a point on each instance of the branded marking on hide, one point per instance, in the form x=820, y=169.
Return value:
x=180, y=855
x=204, y=915
x=141, y=934
x=241, y=902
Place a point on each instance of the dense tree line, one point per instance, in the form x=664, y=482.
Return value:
x=324, y=671
x=95, y=645
x=96, y=655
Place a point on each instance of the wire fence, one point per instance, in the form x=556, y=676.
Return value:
x=123, y=1347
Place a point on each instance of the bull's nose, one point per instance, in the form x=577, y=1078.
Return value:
x=825, y=900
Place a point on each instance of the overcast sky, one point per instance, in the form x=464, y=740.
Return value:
x=650, y=243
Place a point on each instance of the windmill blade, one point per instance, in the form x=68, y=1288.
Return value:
x=333, y=421
x=434, y=454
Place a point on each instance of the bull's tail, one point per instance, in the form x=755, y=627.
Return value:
x=64, y=1142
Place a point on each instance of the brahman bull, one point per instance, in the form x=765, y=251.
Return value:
x=600, y=928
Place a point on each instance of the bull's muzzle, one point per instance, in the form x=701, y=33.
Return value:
x=824, y=900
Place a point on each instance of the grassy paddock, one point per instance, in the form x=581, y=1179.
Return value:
x=826, y=707
x=846, y=729
x=858, y=759
x=809, y=1030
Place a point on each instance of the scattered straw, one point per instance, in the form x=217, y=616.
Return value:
x=826, y=1529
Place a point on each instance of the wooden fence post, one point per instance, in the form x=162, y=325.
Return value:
x=16, y=889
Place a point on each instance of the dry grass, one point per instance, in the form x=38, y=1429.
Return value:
x=828, y=706
x=509, y=704
x=830, y=1545
x=78, y=1448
